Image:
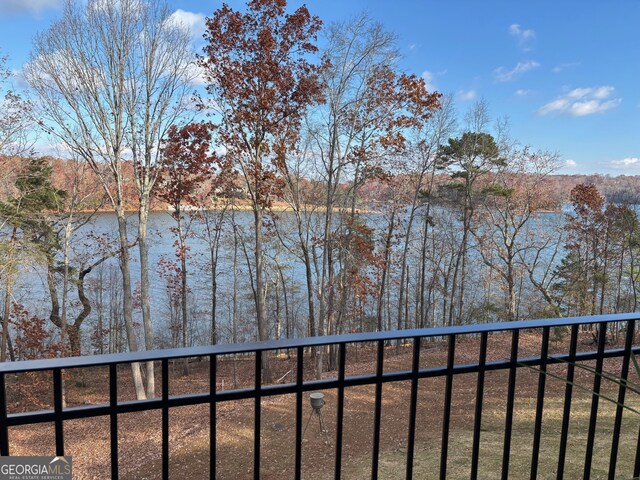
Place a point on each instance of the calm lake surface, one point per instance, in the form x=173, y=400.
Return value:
x=30, y=289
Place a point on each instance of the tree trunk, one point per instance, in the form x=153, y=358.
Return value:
x=234, y=312
x=145, y=287
x=263, y=332
x=74, y=330
x=423, y=270
x=5, y=318
x=285, y=298
x=100, y=305
x=65, y=280
x=213, y=236
x=8, y=286
x=183, y=286
x=306, y=258
x=385, y=268
x=214, y=296
x=127, y=303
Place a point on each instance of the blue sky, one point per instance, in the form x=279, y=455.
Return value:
x=565, y=73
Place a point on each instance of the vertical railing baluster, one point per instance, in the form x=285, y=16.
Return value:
x=165, y=418
x=444, y=453
x=377, y=411
x=113, y=418
x=478, y=413
x=511, y=392
x=340, y=414
x=4, y=428
x=624, y=373
x=542, y=380
x=257, y=416
x=413, y=406
x=213, y=421
x=636, y=464
x=568, y=395
x=597, y=380
x=57, y=410
x=299, y=383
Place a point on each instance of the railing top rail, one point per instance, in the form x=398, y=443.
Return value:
x=227, y=349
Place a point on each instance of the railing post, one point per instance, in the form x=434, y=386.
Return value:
x=257, y=415
x=165, y=419
x=636, y=464
x=511, y=391
x=542, y=379
x=57, y=409
x=113, y=417
x=446, y=418
x=413, y=406
x=340, y=413
x=624, y=373
x=591, y=435
x=4, y=428
x=482, y=360
x=299, y=383
x=213, y=361
x=377, y=411
x=568, y=394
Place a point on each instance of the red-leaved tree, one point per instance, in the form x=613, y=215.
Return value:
x=187, y=167
x=260, y=83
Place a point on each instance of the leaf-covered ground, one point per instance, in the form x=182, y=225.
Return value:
x=140, y=441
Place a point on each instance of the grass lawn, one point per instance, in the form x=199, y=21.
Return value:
x=427, y=455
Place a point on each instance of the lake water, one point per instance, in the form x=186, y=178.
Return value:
x=30, y=287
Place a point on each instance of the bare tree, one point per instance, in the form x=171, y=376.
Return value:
x=15, y=121
x=158, y=78
x=300, y=195
x=353, y=49
x=421, y=171
x=368, y=106
x=111, y=77
x=212, y=232
x=514, y=196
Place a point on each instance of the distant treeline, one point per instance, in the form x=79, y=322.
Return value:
x=621, y=189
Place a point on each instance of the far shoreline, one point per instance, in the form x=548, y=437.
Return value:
x=245, y=207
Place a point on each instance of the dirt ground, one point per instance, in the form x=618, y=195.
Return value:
x=87, y=440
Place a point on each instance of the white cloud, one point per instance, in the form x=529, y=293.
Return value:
x=427, y=76
x=522, y=92
x=580, y=102
x=44, y=147
x=570, y=163
x=412, y=46
x=564, y=66
x=603, y=92
x=504, y=75
x=523, y=35
x=27, y=6
x=625, y=162
x=194, y=22
x=17, y=80
x=466, y=95
x=430, y=79
x=196, y=75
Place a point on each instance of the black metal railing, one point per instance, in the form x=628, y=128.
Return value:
x=114, y=408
